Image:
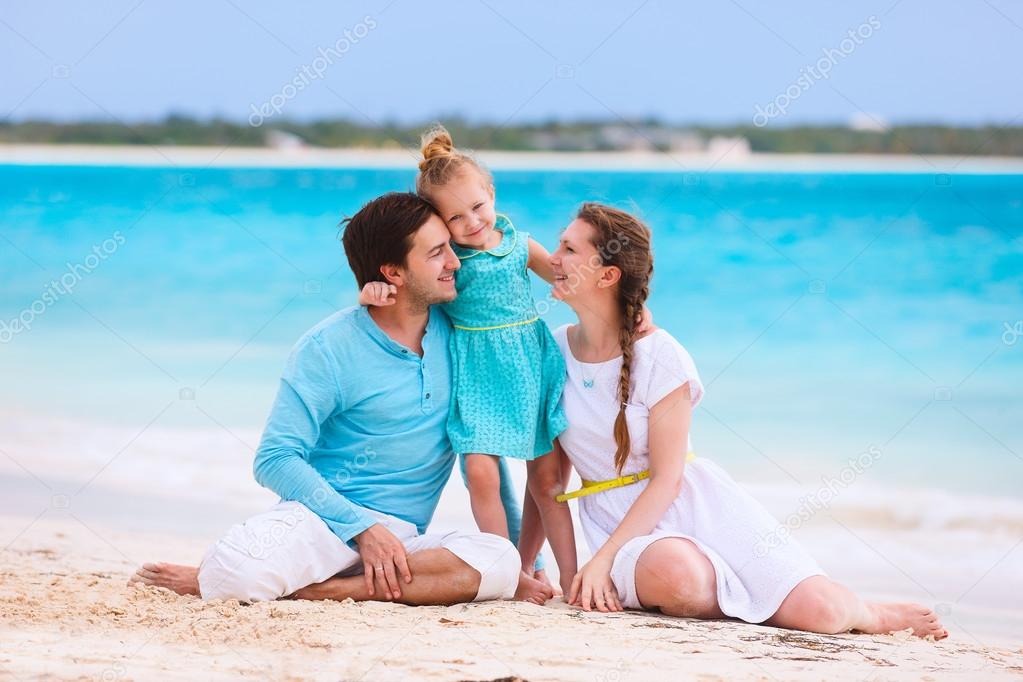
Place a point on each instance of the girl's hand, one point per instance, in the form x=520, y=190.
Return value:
x=378, y=294
x=592, y=587
x=646, y=321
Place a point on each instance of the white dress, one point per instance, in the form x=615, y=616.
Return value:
x=756, y=562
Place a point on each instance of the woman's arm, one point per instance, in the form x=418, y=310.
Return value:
x=540, y=261
x=668, y=441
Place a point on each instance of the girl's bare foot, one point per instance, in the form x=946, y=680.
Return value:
x=532, y=590
x=174, y=577
x=884, y=618
x=542, y=576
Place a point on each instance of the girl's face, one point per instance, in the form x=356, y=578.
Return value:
x=578, y=268
x=466, y=204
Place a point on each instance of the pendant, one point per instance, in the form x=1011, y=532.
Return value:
x=587, y=383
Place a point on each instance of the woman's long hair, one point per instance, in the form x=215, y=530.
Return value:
x=622, y=240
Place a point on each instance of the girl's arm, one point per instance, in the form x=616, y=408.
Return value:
x=540, y=261
x=668, y=440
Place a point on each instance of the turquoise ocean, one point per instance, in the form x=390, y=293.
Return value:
x=828, y=313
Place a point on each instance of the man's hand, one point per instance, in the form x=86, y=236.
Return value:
x=378, y=294
x=382, y=552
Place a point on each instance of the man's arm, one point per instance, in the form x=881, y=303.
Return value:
x=309, y=394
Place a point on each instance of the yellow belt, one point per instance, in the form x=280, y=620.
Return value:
x=590, y=487
x=500, y=326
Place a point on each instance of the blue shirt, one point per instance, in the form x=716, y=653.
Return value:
x=359, y=423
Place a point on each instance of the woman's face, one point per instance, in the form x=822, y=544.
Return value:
x=578, y=268
x=466, y=203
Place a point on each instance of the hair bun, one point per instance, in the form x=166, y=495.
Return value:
x=436, y=144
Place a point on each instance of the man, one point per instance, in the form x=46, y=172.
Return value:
x=356, y=446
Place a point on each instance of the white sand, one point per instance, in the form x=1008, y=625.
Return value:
x=65, y=613
x=212, y=156
x=67, y=550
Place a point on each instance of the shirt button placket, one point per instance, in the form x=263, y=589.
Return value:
x=427, y=401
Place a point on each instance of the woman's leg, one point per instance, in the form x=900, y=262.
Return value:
x=484, y=481
x=676, y=578
x=819, y=604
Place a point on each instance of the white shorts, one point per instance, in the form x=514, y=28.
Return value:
x=273, y=554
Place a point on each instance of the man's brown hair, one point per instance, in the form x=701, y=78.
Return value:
x=381, y=234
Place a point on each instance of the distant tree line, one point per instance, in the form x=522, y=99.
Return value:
x=566, y=136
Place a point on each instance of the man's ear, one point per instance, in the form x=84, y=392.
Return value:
x=609, y=277
x=393, y=274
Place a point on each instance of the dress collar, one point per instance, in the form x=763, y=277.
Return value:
x=508, y=239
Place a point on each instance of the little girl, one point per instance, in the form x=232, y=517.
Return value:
x=507, y=371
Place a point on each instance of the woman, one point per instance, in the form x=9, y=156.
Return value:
x=681, y=537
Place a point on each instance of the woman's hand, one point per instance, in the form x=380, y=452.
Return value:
x=377, y=294
x=592, y=587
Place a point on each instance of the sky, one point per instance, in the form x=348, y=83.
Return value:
x=515, y=62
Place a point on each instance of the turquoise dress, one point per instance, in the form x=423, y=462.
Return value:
x=507, y=371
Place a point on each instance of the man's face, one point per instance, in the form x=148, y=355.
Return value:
x=430, y=265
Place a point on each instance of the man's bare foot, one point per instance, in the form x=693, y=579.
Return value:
x=542, y=576
x=532, y=590
x=174, y=577
x=885, y=618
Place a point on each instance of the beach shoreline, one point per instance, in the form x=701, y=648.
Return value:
x=405, y=159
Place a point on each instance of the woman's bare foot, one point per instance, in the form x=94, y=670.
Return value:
x=174, y=577
x=532, y=590
x=884, y=618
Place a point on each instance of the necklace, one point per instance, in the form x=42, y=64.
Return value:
x=589, y=381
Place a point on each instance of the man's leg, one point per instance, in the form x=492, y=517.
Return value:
x=266, y=557
x=446, y=569
x=439, y=578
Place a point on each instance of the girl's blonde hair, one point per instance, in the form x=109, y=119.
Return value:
x=622, y=240
x=442, y=161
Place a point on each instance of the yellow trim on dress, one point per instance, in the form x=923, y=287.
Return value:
x=590, y=487
x=499, y=326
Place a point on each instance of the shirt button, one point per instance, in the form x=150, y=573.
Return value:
x=404, y=351
x=427, y=396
